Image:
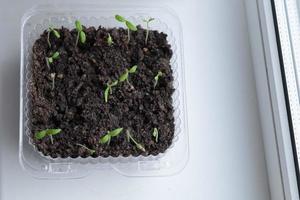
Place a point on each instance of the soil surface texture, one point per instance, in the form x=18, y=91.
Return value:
x=68, y=94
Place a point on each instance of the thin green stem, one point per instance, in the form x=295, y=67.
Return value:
x=139, y=146
x=129, y=84
x=90, y=150
x=48, y=38
x=77, y=38
x=48, y=64
x=131, y=138
x=51, y=139
x=147, y=33
x=53, y=83
x=128, y=33
x=53, y=80
x=108, y=142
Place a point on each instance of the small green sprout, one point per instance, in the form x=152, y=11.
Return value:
x=108, y=90
x=133, y=69
x=156, y=78
x=130, y=138
x=54, y=56
x=124, y=77
x=109, y=40
x=49, y=60
x=80, y=33
x=47, y=132
x=155, y=134
x=130, y=25
x=52, y=75
x=91, y=151
x=107, y=138
x=147, y=21
x=54, y=32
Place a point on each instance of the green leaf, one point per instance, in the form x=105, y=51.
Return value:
x=130, y=26
x=109, y=40
x=155, y=134
x=106, y=93
x=78, y=25
x=56, y=33
x=55, y=55
x=115, y=132
x=159, y=74
x=133, y=69
x=105, y=139
x=114, y=83
x=124, y=76
x=44, y=133
x=151, y=19
x=120, y=18
x=50, y=60
x=41, y=134
x=82, y=37
x=53, y=131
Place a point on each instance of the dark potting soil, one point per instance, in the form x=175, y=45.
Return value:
x=76, y=105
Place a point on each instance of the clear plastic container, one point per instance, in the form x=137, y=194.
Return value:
x=34, y=22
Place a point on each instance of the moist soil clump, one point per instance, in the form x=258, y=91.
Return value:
x=74, y=102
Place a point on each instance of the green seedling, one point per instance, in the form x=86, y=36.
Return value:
x=50, y=60
x=155, y=134
x=108, y=90
x=54, y=32
x=107, y=138
x=54, y=56
x=109, y=40
x=80, y=33
x=52, y=75
x=91, y=151
x=130, y=25
x=47, y=132
x=147, y=21
x=130, y=138
x=156, y=78
x=125, y=75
